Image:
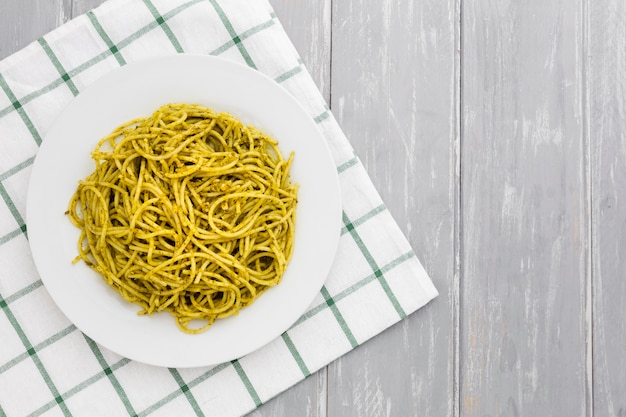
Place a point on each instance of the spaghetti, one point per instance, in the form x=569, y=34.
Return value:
x=188, y=211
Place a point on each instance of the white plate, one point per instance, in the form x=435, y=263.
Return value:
x=136, y=90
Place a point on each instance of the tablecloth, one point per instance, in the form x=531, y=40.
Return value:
x=47, y=366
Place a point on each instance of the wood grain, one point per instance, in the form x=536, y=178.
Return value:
x=22, y=22
x=308, y=25
x=83, y=6
x=393, y=92
x=524, y=219
x=607, y=122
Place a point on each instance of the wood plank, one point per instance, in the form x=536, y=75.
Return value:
x=524, y=211
x=393, y=92
x=607, y=126
x=24, y=21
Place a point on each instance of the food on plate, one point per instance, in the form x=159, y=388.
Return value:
x=188, y=211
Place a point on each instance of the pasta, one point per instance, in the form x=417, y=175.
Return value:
x=188, y=211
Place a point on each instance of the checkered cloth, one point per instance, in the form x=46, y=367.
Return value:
x=47, y=366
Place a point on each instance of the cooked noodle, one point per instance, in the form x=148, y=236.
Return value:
x=188, y=211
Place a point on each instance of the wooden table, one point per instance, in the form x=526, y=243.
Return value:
x=495, y=133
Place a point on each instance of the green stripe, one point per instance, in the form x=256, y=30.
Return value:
x=14, y=211
x=208, y=374
x=9, y=236
x=15, y=104
x=112, y=378
x=287, y=75
x=370, y=260
x=152, y=25
x=21, y=293
x=33, y=355
x=242, y=37
x=31, y=96
x=133, y=37
x=365, y=218
x=185, y=389
x=122, y=44
x=178, y=392
x=338, y=316
x=38, y=347
x=354, y=287
x=347, y=164
x=236, y=39
x=5, y=195
x=321, y=117
x=17, y=168
x=59, y=67
x=98, y=58
x=166, y=28
x=246, y=381
x=78, y=388
x=105, y=37
x=296, y=354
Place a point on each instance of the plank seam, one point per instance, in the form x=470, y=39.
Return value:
x=589, y=213
x=458, y=210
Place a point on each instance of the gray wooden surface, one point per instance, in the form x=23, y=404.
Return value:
x=495, y=132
